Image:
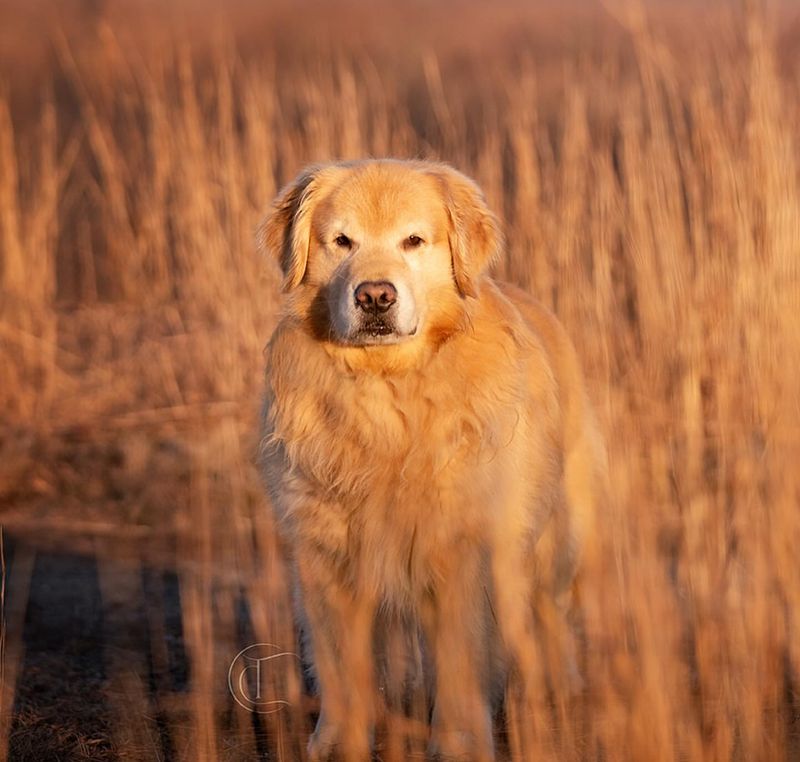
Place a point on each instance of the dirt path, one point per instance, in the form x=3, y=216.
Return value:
x=87, y=676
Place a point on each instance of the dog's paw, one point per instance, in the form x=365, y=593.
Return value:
x=330, y=742
x=449, y=745
x=322, y=742
x=457, y=746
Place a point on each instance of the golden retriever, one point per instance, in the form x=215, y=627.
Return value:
x=428, y=444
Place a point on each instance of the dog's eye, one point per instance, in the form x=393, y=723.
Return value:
x=413, y=242
x=343, y=241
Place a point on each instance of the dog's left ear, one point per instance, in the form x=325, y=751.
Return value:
x=475, y=234
x=285, y=232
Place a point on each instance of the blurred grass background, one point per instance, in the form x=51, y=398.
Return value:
x=644, y=157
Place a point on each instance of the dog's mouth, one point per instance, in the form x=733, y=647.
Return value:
x=377, y=327
x=380, y=331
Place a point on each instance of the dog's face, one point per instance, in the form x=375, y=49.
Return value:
x=381, y=252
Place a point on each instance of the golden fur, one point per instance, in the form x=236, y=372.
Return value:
x=447, y=470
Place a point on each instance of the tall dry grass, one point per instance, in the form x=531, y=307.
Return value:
x=650, y=191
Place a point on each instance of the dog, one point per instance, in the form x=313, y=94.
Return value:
x=428, y=443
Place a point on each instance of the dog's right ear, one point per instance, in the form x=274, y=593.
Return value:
x=475, y=237
x=285, y=232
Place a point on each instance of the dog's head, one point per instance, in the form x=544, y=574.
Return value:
x=381, y=252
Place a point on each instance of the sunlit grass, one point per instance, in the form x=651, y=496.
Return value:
x=651, y=199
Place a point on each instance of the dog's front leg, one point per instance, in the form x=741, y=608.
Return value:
x=341, y=624
x=455, y=622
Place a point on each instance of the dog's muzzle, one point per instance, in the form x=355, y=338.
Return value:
x=375, y=300
x=379, y=311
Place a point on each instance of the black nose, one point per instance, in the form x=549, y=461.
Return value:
x=375, y=295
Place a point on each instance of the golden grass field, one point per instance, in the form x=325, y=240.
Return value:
x=645, y=163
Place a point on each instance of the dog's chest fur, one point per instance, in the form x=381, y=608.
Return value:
x=382, y=473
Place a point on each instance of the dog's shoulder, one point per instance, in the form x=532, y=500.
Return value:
x=538, y=319
x=552, y=336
